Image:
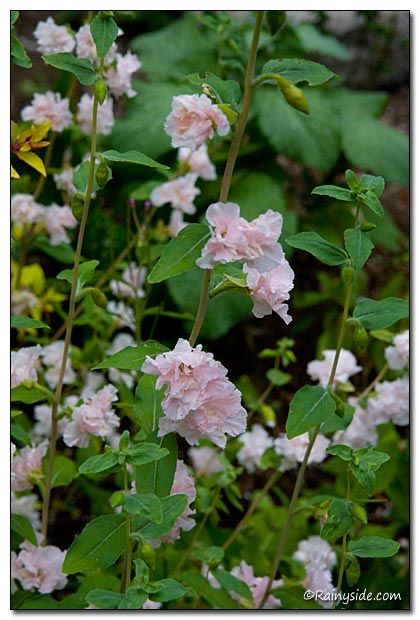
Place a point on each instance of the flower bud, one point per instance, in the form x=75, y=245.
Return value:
x=102, y=174
x=77, y=206
x=347, y=274
x=359, y=512
x=295, y=97
x=367, y=226
x=361, y=337
x=116, y=499
x=99, y=90
x=147, y=553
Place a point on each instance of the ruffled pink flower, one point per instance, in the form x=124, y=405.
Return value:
x=64, y=181
x=131, y=284
x=235, y=239
x=24, y=365
x=270, y=290
x=200, y=401
x=193, y=120
x=24, y=210
x=39, y=568
x=95, y=417
x=52, y=38
x=254, y=443
x=86, y=48
x=52, y=356
x=176, y=222
x=56, y=220
x=293, y=450
x=361, y=431
x=180, y=193
x=42, y=427
x=183, y=484
x=205, y=461
x=26, y=467
x=398, y=355
x=391, y=403
x=315, y=550
x=118, y=79
x=49, y=107
x=319, y=370
x=105, y=120
x=257, y=585
x=199, y=162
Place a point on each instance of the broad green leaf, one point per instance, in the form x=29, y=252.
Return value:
x=64, y=471
x=63, y=252
x=132, y=157
x=365, y=476
x=212, y=556
x=81, y=68
x=310, y=406
x=22, y=526
x=375, y=184
x=359, y=246
x=374, y=314
x=146, y=504
x=27, y=395
x=225, y=91
x=147, y=404
x=81, y=177
x=352, y=570
x=339, y=193
x=19, y=434
x=132, y=358
x=172, y=507
x=373, y=547
x=322, y=249
x=371, y=200
x=297, y=70
x=216, y=598
x=170, y=590
x=316, y=42
x=104, y=31
x=336, y=423
x=104, y=599
x=99, y=545
x=99, y=463
x=18, y=52
x=157, y=477
x=373, y=458
x=339, y=520
x=134, y=598
x=27, y=323
x=143, y=453
x=342, y=451
x=181, y=253
x=231, y=583
x=85, y=273
x=278, y=377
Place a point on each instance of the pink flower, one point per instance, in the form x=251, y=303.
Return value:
x=105, y=120
x=24, y=364
x=24, y=210
x=176, y=222
x=391, y=403
x=49, y=107
x=200, y=401
x=55, y=220
x=233, y=238
x=94, y=417
x=398, y=355
x=183, y=484
x=254, y=444
x=27, y=506
x=118, y=79
x=257, y=585
x=362, y=429
x=319, y=370
x=315, y=550
x=26, y=467
x=293, y=450
x=52, y=356
x=86, y=48
x=199, y=162
x=193, y=120
x=64, y=181
x=269, y=290
x=42, y=427
x=39, y=568
x=123, y=314
x=180, y=193
x=132, y=282
x=205, y=461
x=52, y=38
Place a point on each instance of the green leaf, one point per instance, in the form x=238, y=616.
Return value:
x=172, y=507
x=27, y=323
x=371, y=200
x=63, y=252
x=275, y=21
x=352, y=180
x=81, y=68
x=232, y=584
x=339, y=520
x=23, y=527
x=85, y=273
x=181, y=253
x=147, y=406
x=104, y=31
x=81, y=177
x=18, y=52
x=27, y=395
x=345, y=453
x=298, y=70
x=352, y=571
x=339, y=193
x=170, y=590
x=375, y=184
x=374, y=314
x=294, y=598
x=99, y=545
x=373, y=547
x=104, y=599
x=216, y=598
x=359, y=246
x=64, y=471
x=133, y=157
x=314, y=41
x=99, y=463
x=143, y=453
x=132, y=358
x=310, y=406
x=146, y=504
x=323, y=250
x=212, y=556
x=19, y=434
x=14, y=16
x=225, y=91
x=157, y=477
x=278, y=377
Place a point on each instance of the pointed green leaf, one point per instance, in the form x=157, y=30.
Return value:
x=323, y=250
x=132, y=157
x=81, y=68
x=26, y=322
x=339, y=193
x=373, y=547
x=22, y=526
x=374, y=314
x=310, y=406
x=104, y=31
x=99, y=463
x=298, y=70
x=132, y=358
x=359, y=246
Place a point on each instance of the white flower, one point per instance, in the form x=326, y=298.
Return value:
x=361, y=431
x=24, y=364
x=176, y=222
x=52, y=356
x=52, y=38
x=105, y=119
x=27, y=506
x=26, y=466
x=398, y=356
x=123, y=314
x=205, y=461
x=118, y=79
x=56, y=220
x=315, y=550
x=132, y=282
x=319, y=581
x=24, y=210
x=254, y=444
x=180, y=193
x=293, y=450
x=92, y=382
x=49, y=107
x=199, y=162
x=42, y=427
x=64, y=181
x=120, y=342
x=392, y=402
x=319, y=370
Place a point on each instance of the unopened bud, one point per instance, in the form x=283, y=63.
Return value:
x=359, y=512
x=116, y=499
x=99, y=90
x=77, y=206
x=347, y=275
x=361, y=337
x=367, y=226
x=147, y=553
x=102, y=174
x=295, y=97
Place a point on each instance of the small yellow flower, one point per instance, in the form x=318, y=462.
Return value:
x=27, y=140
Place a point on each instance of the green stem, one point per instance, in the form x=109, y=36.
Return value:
x=69, y=328
x=343, y=545
x=376, y=380
x=230, y=165
x=126, y=574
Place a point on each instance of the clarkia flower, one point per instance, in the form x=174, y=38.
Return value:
x=398, y=355
x=39, y=568
x=52, y=38
x=199, y=162
x=293, y=450
x=205, y=461
x=270, y=290
x=49, y=107
x=26, y=467
x=391, y=403
x=24, y=210
x=118, y=78
x=361, y=431
x=180, y=193
x=52, y=356
x=183, y=484
x=254, y=443
x=24, y=363
x=105, y=119
x=56, y=220
x=257, y=585
x=319, y=370
x=131, y=284
x=94, y=417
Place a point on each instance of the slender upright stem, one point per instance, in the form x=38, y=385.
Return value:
x=69, y=328
x=376, y=380
x=230, y=165
x=126, y=574
x=343, y=545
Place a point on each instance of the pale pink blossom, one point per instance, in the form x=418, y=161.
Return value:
x=235, y=239
x=23, y=300
x=391, y=403
x=361, y=431
x=318, y=580
x=27, y=506
x=319, y=370
x=64, y=181
x=193, y=120
x=52, y=38
x=123, y=314
x=42, y=427
x=254, y=443
x=183, y=484
x=180, y=193
x=199, y=162
x=52, y=356
x=118, y=78
x=131, y=284
x=94, y=417
x=257, y=585
x=200, y=401
x=270, y=290
x=176, y=222
x=86, y=48
x=26, y=467
x=92, y=382
x=205, y=461
x=120, y=342
x=56, y=220
x=315, y=550
x=39, y=568
x=293, y=450
x=105, y=119
x=49, y=107
x=24, y=363
x=24, y=210
x=398, y=355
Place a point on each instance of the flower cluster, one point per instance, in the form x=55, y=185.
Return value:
x=293, y=450
x=26, y=467
x=319, y=559
x=254, y=443
x=257, y=585
x=183, y=484
x=54, y=219
x=131, y=284
x=24, y=365
x=39, y=567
